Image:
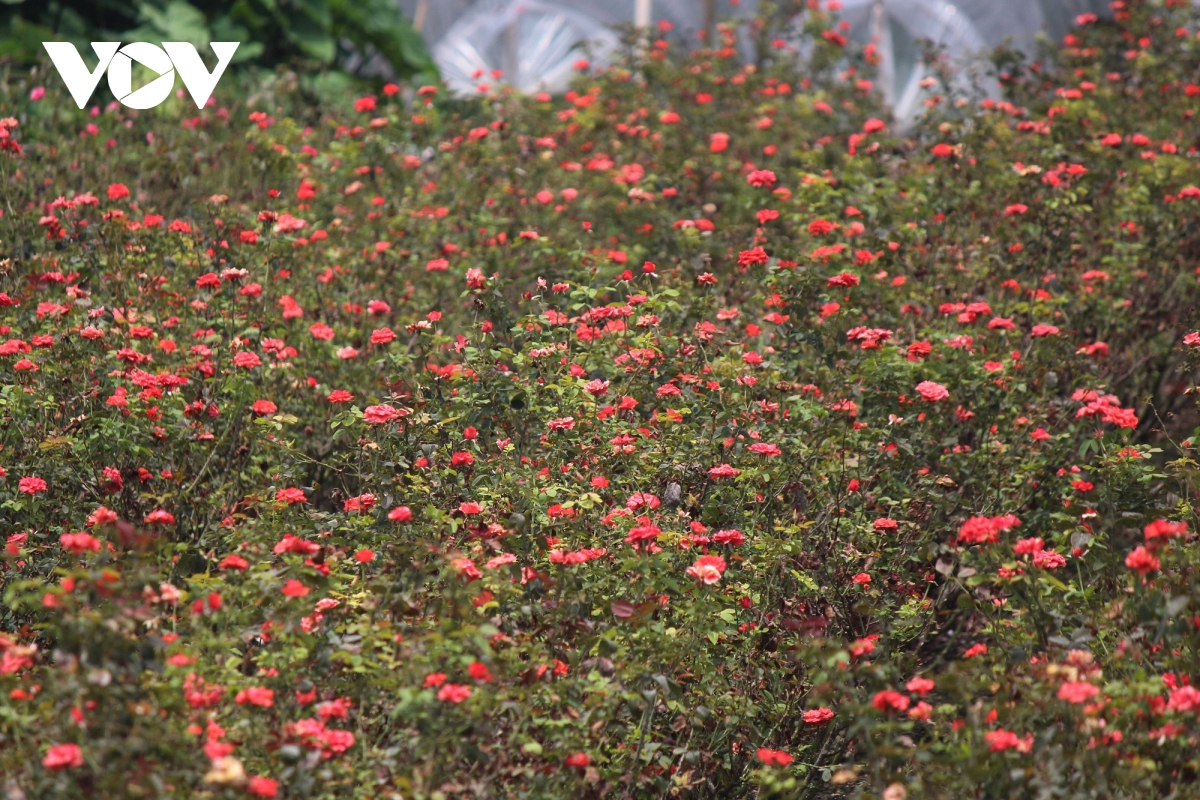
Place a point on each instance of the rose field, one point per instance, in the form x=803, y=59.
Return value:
x=702, y=432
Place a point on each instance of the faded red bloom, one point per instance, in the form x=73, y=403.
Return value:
x=644, y=531
x=467, y=569
x=290, y=543
x=1077, y=692
x=1000, y=740
x=382, y=414
x=260, y=786
x=862, y=647
x=291, y=495
x=889, y=701
x=820, y=227
x=454, y=693
x=246, y=360
x=921, y=711
x=774, y=758
x=256, y=696
x=362, y=503
x=295, y=589
x=1025, y=547
x=985, y=530
x=932, y=392
x=761, y=178
x=748, y=258
x=817, y=716
x=1184, y=699
x=382, y=336
x=63, y=756
x=479, y=671
x=707, y=569
x=79, y=543
x=918, y=350
x=1142, y=561
x=731, y=537
x=1048, y=559
x=31, y=485
x=1161, y=529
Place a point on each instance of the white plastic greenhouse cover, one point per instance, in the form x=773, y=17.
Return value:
x=898, y=27
x=535, y=43
x=964, y=29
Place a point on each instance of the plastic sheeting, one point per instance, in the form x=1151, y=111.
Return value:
x=535, y=43
x=899, y=28
x=964, y=30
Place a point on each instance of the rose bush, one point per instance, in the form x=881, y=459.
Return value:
x=693, y=434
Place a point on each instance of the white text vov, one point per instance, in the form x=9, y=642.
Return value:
x=165, y=61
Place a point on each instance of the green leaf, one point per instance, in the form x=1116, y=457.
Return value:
x=178, y=21
x=1053, y=581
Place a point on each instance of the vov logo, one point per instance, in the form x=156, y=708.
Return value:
x=164, y=61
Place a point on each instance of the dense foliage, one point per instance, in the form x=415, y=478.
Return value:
x=693, y=434
x=303, y=33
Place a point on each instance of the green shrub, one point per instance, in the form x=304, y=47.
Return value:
x=299, y=33
x=536, y=447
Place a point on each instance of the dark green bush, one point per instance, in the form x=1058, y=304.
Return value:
x=311, y=34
